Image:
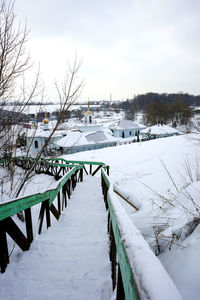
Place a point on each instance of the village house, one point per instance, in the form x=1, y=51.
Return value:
x=82, y=137
x=126, y=129
x=36, y=140
x=77, y=141
x=88, y=136
x=158, y=131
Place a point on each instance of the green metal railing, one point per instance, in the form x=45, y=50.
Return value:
x=53, y=166
x=71, y=171
x=123, y=272
x=126, y=259
x=19, y=204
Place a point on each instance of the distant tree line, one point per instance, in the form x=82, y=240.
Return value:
x=141, y=101
x=30, y=103
x=160, y=108
x=162, y=113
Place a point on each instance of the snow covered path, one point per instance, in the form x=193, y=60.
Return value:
x=70, y=260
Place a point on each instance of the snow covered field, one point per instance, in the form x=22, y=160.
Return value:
x=162, y=175
x=157, y=173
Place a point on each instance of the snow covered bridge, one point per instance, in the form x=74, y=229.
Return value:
x=71, y=260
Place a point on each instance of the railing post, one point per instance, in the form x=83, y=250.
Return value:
x=104, y=191
x=73, y=181
x=58, y=199
x=64, y=200
x=107, y=168
x=81, y=174
x=113, y=256
x=44, y=208
x=4, y=258
x=65, y=194
x=76, y=177
x=48, y=219
x=29, y=227
x=85, y=169
x=68, y=185
x=109, y=223
x=105, y=195
x=16, y=234
x=120, y=287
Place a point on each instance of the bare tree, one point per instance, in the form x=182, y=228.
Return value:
x=14, y=60
x=14, y=64
x=68, y=91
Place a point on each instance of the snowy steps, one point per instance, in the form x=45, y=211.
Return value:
x=70, y=260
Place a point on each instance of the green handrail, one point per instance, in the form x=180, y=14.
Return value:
x=133, y=253
x=10, y=208
x=130, y=288
x=79, y=162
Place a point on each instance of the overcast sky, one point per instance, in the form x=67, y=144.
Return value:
x=128, y=47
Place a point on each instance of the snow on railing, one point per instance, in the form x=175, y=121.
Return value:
x=140, y=273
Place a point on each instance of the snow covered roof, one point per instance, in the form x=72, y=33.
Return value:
x=88, y=127
x=160, y=129
x=43, y=133
x=77, y=138
x=126, y=124
x=98, y=137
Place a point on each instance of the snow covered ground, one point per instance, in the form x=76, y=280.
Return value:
x=163, y=176
x=159, y=173
x=36, y=184
x=71, y=260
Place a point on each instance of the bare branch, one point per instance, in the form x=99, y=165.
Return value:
x=68, y=92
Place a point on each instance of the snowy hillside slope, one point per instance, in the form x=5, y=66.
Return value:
x=160, y=173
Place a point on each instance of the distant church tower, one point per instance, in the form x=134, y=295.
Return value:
x=46, y=122
x=88, y=115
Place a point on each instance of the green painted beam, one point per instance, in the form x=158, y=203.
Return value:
x=130, y=288
x=15, y=206
x=61, y=165
x=61, y=159
x=79, y=162
x=2, y=161
x=10, y=208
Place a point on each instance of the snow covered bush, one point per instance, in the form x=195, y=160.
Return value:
x=180, y=212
